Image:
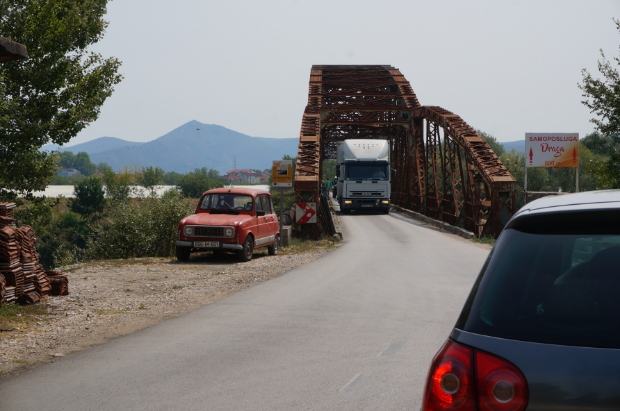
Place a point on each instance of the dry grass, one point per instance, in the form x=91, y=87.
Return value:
x=18, y=316
x=484, y=240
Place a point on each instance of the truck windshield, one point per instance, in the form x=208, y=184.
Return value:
x=366, y=171
x=226, y=201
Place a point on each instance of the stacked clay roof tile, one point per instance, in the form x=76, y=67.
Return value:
x=22, y=277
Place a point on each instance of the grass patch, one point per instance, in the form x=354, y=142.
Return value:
x=299, y=246
x=177, y=287
x=118, y=263
x=142, y=307
x=15, y=315
x=20, y=361
x=484, y=240
x=110, y=312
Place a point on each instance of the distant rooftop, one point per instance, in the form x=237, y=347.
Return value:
x=11, y=51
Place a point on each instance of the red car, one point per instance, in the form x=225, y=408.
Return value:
x=230, y=219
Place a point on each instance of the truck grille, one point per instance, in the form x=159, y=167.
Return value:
x=365, y=194
x=209, y=231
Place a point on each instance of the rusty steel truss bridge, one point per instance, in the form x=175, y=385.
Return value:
x=444, y=168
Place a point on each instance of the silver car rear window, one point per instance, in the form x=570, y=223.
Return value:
x=551, y=279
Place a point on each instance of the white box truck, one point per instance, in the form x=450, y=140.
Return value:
x=363, y=172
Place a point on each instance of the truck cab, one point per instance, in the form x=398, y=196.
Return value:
x=364, y=176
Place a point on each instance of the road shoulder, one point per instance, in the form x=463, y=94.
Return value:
x=115, y=298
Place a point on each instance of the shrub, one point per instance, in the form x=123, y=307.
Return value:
x=118, y=185
x=151, y=176
x=192, y=185
x=145, y=228
x=289, y=199
x=89, y=197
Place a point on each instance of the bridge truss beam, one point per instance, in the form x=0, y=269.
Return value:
x=444, y=169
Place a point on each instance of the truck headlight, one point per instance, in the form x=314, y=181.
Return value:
x=228, y=232
x=189, y=231
x=347, y=201
x=385, y=201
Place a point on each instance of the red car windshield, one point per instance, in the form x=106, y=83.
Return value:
x=226, y=201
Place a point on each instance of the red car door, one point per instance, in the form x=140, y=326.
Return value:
x=263, y=226
x=273, y=221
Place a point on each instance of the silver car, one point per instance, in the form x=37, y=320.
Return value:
x=541, y=327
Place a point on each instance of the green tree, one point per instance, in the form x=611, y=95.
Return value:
x=193, y=184
x=602, y=97
x=151, y=176
x=598, y=143
x=496, y=146
x=66, y=159
x=80, y=162
x=171, y=178
x=83, y=164
x=89, y=197
x=118, y=184
x=56, y=92
x=329, y=169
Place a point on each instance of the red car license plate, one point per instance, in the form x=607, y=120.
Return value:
x=206, y=244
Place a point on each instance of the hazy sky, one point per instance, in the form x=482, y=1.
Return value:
x=506, y=67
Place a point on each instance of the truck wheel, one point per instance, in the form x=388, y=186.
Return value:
x=273, y=248
x=386, y=211
x=248, y=249
x=183, y=253
x=345, y=211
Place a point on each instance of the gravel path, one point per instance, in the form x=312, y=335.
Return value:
x=114, y=298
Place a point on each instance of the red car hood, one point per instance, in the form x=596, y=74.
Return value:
x=216, y=219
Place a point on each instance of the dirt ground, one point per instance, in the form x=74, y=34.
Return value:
x=114, y=298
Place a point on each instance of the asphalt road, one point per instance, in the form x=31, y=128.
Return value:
x=355, y=330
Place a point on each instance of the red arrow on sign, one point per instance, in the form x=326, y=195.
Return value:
x=308, y=213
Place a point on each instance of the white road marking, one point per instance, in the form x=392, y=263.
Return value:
x=355, y=383
x=392, y=348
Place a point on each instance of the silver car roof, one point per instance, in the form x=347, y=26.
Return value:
x=588, y=200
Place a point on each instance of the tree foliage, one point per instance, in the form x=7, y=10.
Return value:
x=118, y=185
x=56, y=92
x=171, y=178
x=89, y=197
x=496, y=146
x=329, y=169
x=146, y=228
x=599, y=144
x=80, y=161
x=151, y=176
x=602, y=96
x=192, y=185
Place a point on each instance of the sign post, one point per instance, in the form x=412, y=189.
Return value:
x=551, y=150
x=282, y=176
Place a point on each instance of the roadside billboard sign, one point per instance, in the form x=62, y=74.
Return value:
x=551, y=149
x=282, y=173
x=305, y=213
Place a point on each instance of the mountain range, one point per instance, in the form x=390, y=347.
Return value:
x=518, y=145
x=196, y=145
x=193, y=145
